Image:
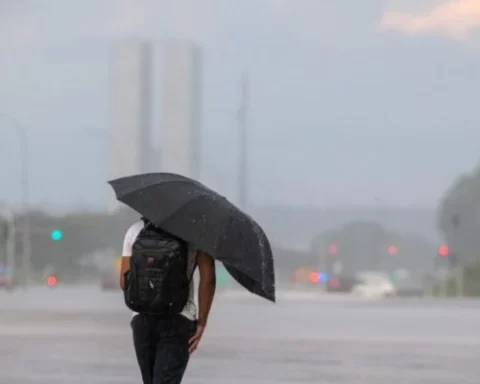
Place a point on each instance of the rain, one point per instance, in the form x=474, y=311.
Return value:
x=332, y=150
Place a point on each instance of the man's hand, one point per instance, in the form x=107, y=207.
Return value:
x=195, y=339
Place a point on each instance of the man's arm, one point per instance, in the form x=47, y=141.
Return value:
x=206, y=291
x=206, y=286
x=126, y=253
x=124, y=267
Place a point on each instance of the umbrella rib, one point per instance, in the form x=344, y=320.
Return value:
x=180, y=208
x=153, y=186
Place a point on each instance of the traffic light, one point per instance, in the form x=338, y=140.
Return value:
x=51, y=280
x=445, y=259
x=392, y=250
x=332, y=249
x=56, y=235
x=443, y=251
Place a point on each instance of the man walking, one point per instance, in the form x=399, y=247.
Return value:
x=157, y=280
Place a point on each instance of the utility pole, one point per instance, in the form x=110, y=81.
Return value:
x=243, y=162
x=26, y=233
x=9, y=234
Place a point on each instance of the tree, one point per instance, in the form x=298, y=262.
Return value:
x=459, y=218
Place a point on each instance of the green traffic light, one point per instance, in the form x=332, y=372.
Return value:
x=57, y=235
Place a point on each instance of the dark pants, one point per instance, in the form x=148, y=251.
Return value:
x=161, y=346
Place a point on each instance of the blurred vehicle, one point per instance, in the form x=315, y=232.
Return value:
x=110, y=278
x=6, y=277
x=110, y=281
x=409, y=288
x=373, y=285
x=341, y=284
x=307, y=277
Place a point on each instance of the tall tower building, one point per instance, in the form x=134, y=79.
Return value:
x=131, y=78
x=181, y=107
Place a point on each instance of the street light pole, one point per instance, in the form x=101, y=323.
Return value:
x=7, y=214
x=26, y=235
x=243, y=166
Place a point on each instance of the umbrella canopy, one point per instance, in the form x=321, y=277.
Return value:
x=202, y=217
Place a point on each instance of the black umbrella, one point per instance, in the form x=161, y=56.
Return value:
x=200, y=216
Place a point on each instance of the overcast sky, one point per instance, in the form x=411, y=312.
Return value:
x=351, y=101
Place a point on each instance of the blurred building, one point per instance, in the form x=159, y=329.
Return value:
x=130, y=109
x=181, y=107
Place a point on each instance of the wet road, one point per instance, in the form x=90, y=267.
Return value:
x=82, y=336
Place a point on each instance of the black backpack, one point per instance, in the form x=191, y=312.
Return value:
x=157, y=282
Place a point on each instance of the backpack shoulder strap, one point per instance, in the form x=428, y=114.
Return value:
x=146, y=223
x=194, y=266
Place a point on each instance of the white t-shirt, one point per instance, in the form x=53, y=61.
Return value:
x=190, y=309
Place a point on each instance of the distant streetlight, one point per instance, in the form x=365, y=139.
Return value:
x=26, y=238
x=243, y=165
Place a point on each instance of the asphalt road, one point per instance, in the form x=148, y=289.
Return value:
x=82, y=335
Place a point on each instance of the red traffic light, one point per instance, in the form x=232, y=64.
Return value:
x=392, y=250
x=332, y=249
x=51, y=281
x=443, y=251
